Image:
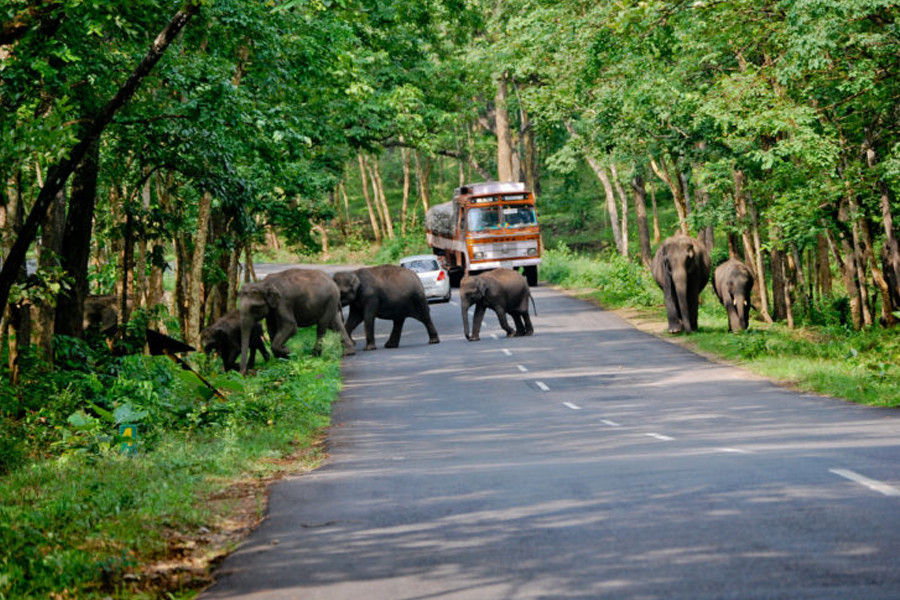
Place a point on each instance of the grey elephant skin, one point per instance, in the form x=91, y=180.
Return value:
x=503, y=291
x=224, y=338
x=288, y=300
x=732, y=282
x=681, y=268
x=384, y=292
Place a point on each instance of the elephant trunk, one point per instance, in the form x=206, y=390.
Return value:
x=465, y=315
x=741, y=314
x=680, y=283
x=247, y=324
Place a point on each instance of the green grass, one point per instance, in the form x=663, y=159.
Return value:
x=74, y=525
x=860, y=366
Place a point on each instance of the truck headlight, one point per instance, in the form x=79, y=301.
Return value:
x=477, y=255
x=532, y=251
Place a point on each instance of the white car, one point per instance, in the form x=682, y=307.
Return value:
x=434, y=278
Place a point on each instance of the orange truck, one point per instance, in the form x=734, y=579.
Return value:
x=485, y=226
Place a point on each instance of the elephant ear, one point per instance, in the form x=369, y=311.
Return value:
x=481, y=286
x=272, y=296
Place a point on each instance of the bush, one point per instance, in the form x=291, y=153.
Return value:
x=617, y=280
x=393, y=250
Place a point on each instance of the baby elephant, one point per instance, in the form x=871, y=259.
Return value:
x=224, y=337
x=504, y=291
x=733, y=282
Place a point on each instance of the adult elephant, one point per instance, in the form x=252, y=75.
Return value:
x=681, y=268
x=384, y=292
x=288, y=300
x=502, y=290
x=732, y=282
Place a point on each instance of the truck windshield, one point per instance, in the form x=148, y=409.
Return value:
x=479, y=219
x=518, y=216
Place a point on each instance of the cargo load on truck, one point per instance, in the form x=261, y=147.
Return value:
x=441, y=219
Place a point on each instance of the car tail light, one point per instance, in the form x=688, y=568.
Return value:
x=441, y=276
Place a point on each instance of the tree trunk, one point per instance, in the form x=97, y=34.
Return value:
x=376, y=229
x=611, y=208
x=77, y=242
x=760, y=266
x=890, y=249
x=379, y=187
x=140, y=279
x=423, y=175
x=640, y=209
x=657, y=234
x=860, y=261
x=779, y=306
x=127, y=261
x=624, y=200
x=59, y=173
x=404, y=205
x=505, y=149
x=48, y=257
x=675, y=186
x=192, y=335
x=823, y=267
x=532, y=165
x=750, y=238
x=19, y=318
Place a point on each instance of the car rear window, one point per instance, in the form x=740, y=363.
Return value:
x=422, y=266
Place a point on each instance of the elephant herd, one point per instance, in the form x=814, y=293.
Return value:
x=295, y=298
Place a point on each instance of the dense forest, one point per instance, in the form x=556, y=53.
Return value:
x=148, y=150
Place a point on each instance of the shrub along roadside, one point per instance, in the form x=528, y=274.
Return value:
x=827, y=358
x=86, y=523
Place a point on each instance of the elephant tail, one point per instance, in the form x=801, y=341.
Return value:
x=533, y=306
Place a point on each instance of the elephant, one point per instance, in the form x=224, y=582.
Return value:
x=681, y=268
x=224, y=337
x=502, y=290
x=288, y=300
x=385, y=292
x=732, y=282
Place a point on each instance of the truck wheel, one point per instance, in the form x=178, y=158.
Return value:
x=531, y=275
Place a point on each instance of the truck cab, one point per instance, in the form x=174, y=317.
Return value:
x=486, y=226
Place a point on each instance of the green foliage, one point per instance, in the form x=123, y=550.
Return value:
x=616, y=280
x=403, y=245
x=80, y=521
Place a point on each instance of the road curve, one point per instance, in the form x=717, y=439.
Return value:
x=588, y=461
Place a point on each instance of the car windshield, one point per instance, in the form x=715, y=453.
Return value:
x=422, y=265
x=479, y=219
x=518, y=216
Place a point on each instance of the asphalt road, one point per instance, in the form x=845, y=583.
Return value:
x=588, y=461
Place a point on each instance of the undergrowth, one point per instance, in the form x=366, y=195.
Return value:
x=79, y=511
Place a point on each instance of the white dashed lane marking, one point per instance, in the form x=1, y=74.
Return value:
x=572, y=406
x=610, y=423
x=543, y=386
x=733, y=451
x=506, y=351
x=872, y=484
x=660, y=437
x=522, y=368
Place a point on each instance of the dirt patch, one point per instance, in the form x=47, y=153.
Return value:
x=239, y=506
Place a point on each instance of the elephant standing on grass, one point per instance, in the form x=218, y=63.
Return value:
x=502, y=290
x=733, y=282
x=681, y=268
x=224, y=337
x=288, y=300
x=384, y=292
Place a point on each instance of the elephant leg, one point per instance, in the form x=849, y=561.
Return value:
x=476, y=321
x=529, y=329
x=369, y=323
x=672, y=312
x=229, y=357
x=321, y=328
x=353, y=320
x=287, y=329
x=520, y=326
x=261, y=346
x=394, y=340
x=424, y=317
x=501, y=316
x=337, y=324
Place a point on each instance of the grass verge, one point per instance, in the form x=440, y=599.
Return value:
x=834, y=360
x=108, y=525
